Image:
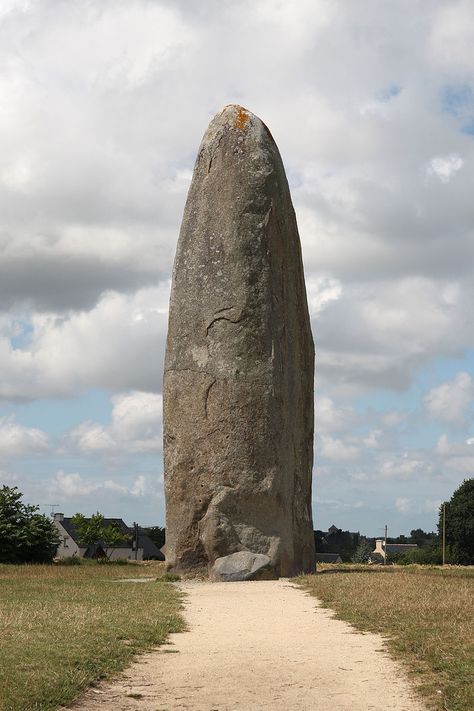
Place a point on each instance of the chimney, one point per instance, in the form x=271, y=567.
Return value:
x=58, y=517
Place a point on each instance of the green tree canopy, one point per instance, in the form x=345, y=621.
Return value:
x=156, y=534
x=363, y=552
x=343, y=542
x=93, y=530
x=460, y=524
x=25, y=535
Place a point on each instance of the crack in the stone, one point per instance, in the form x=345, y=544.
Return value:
x=247, y=379
x=222, y=317
x=214, y=151
x=206, y=396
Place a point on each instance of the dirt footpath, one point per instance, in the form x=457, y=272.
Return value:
x=259, y=646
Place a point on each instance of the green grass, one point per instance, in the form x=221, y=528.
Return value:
x=62, y=628
x=426, y=615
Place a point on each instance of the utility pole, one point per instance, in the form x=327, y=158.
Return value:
x=444, y=533
x=135, y=526
x=385, y=546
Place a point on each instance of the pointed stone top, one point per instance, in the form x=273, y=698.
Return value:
x=237, y=117
x=245, y=127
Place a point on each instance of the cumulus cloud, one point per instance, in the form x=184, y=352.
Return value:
x=331, y=417
x=337, y=450
x=403, y=504
x=380, y=335
x=19, y=441
x=445, y=167
x=92, y=193
x=117, y=345
x=452, y=402
x=74, y=269
x=403, y=466
x=321, y=291
x=74, y=486
x=407, y=505
x=136, y=428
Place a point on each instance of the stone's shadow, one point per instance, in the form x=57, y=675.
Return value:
x=355, y=570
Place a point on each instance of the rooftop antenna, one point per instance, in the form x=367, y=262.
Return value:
x=53, y=506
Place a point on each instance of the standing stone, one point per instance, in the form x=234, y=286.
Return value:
x=238, y=383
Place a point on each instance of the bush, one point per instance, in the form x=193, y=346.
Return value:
x=362, y=553
x=25, y=535
x=423, y=556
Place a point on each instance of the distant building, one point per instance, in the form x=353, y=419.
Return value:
x=328, y=558
x=394, y=548
x=69, y=543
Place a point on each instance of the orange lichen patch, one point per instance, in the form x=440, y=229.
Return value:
x=241, y=119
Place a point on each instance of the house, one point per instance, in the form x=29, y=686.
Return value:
x=328, y=558
x=392, y=548
x=69, y=542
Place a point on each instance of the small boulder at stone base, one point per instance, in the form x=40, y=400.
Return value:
x=243, y=565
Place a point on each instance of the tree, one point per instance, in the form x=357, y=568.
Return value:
x=423, y=538
x=362, y=553
x=460, y=524
x=428, y=555
x=156, y=534
x=92, y=530
x=342, y=542
x=25, y=535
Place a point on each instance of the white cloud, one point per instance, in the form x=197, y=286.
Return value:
x=74, y=486
x=119, y=345
x=404, y=466
x=392, y=418
x=431, y=505
x=136, y=428
x=19, y=441
x=403, y=504
x=450, y=40
x=336, y=449
x=339, y=504
x=409, y=506
x=444, y=167
x=455, y=456
x=331, y=417
x=452, y=402
x=321, y=291
x=379, y=335
x=373, y=439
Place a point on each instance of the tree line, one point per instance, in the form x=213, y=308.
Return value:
x=26, y=536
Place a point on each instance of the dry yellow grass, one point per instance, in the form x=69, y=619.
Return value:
x=63, y=628
x=426, y=615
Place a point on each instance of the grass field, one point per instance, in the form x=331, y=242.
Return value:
x=426, y=615
x=63, y=628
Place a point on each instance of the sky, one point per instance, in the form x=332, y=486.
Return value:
x=103, y=104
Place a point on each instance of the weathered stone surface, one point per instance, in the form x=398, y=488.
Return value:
x=238, y=384
x=243, y=565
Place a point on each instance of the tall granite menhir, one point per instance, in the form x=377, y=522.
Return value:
x=238, y=384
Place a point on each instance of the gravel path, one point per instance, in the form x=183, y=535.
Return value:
x=259, y=646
